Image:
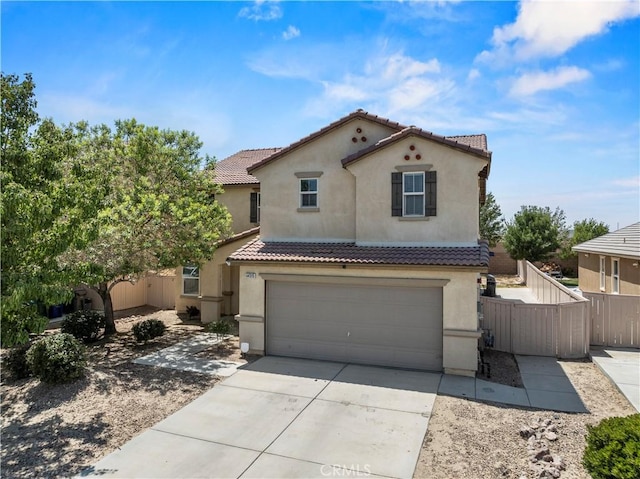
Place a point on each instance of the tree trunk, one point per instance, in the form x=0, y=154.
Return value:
x=105, y=293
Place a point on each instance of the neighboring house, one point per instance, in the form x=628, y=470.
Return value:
x=213, y=286
x=368, y=250
x=609, y=264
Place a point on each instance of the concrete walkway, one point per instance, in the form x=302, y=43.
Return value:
x=181, y=356
x=622, y=367
x=282, y=417
x=546, y=386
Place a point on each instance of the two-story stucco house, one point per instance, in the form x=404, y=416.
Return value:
x=368, y=250
x=213, y=287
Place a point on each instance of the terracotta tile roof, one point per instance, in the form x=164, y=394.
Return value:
x=478, y=142
x=624, y=242
x=239, y=236
x=349, y=253
x=233, y=169
x=419, y=132
x=358, y=114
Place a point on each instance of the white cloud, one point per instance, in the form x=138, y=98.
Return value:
x=291, y=32
x=261, y=11
x=394, y=83
x=533, y=82
x=473, y=74
x=549, y=29
x=633, y=182
x=75, y=107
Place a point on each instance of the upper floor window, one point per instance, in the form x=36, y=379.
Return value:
x=254, y=207
x=414, y=194
x=190, y=280
x=615, y=276
x=603, y=273
x=308, y=193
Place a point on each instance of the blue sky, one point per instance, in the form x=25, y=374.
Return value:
x=554, y=85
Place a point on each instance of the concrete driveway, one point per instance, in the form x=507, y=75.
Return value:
x=282, y=417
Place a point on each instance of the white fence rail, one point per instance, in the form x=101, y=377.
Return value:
x=558, y=326
x=615, y=320
x=558, y=330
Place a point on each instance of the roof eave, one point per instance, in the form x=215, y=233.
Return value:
x=412, y=132
x=359, y=114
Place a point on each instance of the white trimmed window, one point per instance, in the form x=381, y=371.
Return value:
x=615, y=275
x=413, y=194
x=603, y=273
x=308, y=192
x=190, y=280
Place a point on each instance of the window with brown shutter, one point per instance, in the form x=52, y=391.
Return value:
x=414, y=194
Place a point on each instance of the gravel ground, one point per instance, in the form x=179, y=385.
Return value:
x=51, y=431
x=470, y=440
x=56, y=431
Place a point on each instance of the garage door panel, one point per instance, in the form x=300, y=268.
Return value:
x=390, y=326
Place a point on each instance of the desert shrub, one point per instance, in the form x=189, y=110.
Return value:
x=193, y=312
x=86, y=326
x=16, y=362
x=148, y=329
x=58, y=358
x=613, y=448
x=220, y=328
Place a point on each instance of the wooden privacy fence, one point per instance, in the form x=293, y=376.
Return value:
x=615, y=320
x=558, y=330
x=158, y=291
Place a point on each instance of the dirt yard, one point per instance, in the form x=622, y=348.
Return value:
x=51, y=431
x=55, y=431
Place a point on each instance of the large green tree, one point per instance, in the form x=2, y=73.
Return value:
x=159, y=212
x=535, y=233
x=47, y=193
x=95, y=206
x=491, y=221
x=583, y=230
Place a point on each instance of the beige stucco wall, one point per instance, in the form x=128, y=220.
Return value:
x=218, y=286
x=237, y=201
x=335, y=220
x=460, y=319
x=589, y=274
x=457, y=195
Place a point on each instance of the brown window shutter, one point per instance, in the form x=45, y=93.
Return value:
x=253, y=208
x=430, y=193
x=396, y=194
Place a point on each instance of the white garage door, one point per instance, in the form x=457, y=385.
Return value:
x=381, y=325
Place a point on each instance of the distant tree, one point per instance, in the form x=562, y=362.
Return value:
x=584, y=230
x=534, y=233
x=491, y=221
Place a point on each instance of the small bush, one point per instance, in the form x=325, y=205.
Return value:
x=148, y=329
x=220, y=328
x=613, y=448
x=192, y=312
x=58, y=358
x=87, y=326
x=16, y=362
